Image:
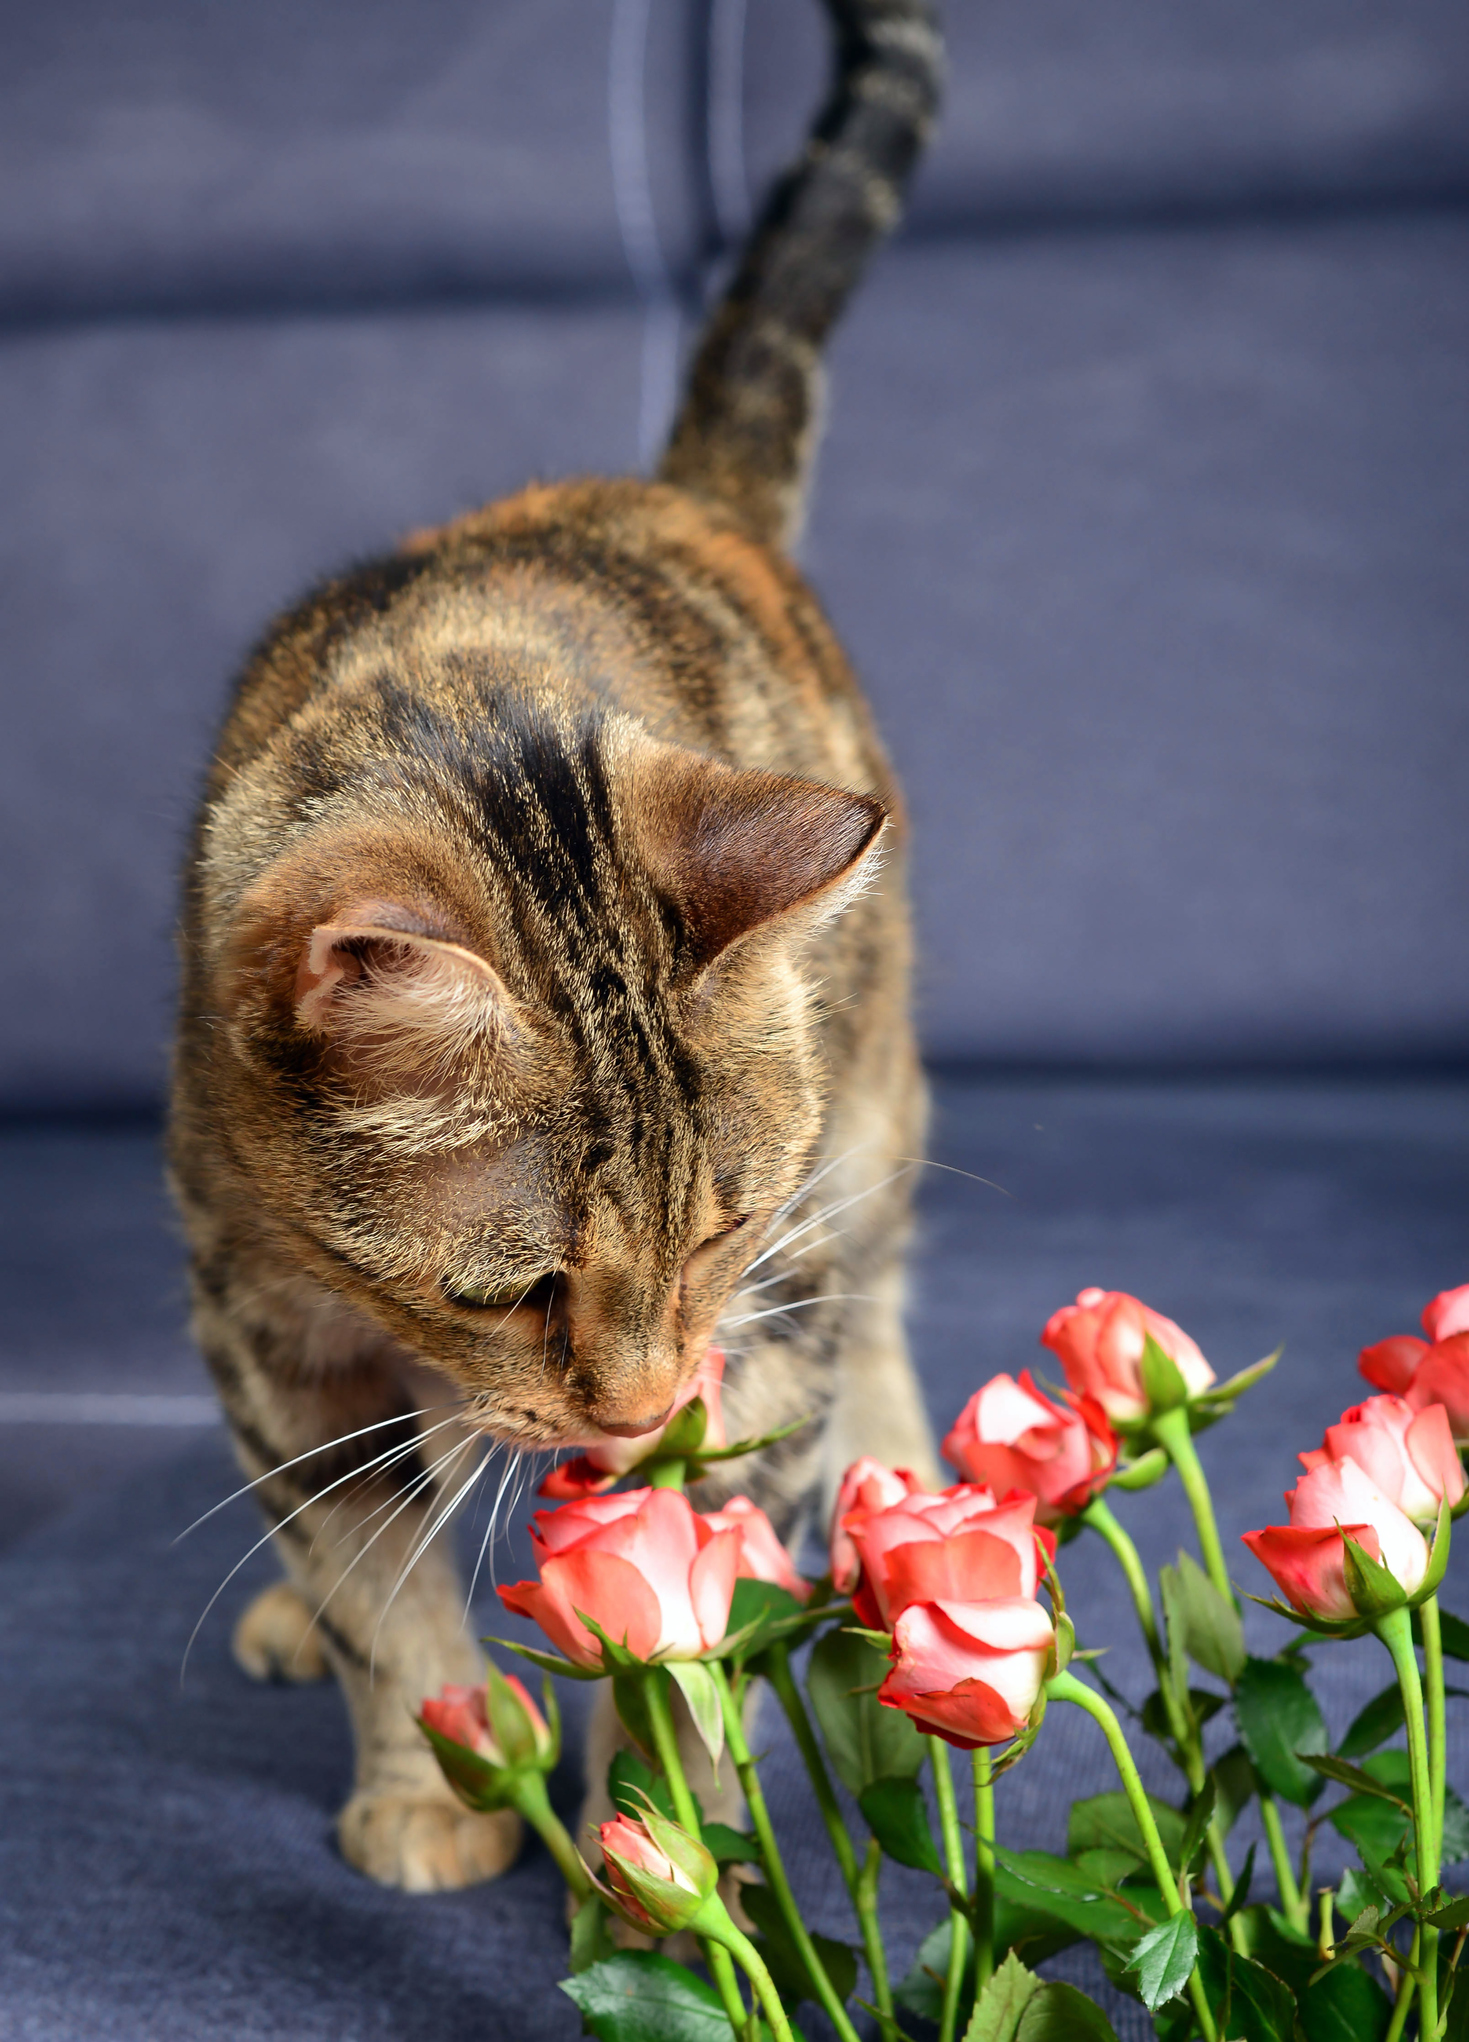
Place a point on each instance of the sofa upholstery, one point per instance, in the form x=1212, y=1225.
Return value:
x=1141, y=511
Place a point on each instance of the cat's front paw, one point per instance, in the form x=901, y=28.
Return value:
x=276, y=1640
x=425, y=1843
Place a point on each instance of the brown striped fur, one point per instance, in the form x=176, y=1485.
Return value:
x=544, y=931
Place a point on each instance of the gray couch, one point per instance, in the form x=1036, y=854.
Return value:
x=1142, y=511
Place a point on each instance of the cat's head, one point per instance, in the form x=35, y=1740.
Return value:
x=517, y=1044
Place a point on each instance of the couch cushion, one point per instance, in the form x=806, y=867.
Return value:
x=1098, y=106
x=179, y=154
x=1150, y=550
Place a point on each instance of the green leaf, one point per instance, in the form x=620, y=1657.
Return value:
x=548, y=1662
x=1200, y=1815
x=1455, y=1840
x=999, y=2007
x=1234, y=1779
x=1373, y=1588
x=1375, y=1827
x=1220, y=1398
x=897, y=1815
x=1212, y=1633
x=1241, y=1893
x=1453, y=1632
x=865, y=1741
x=632, y=1707
x=922, y=1991
x=697, y=1685
x=730, y=1846
x=1106, y=1822
x=760, y=1613
x=1261, y=2008
x=1279, y=1720
x=1344, y=2006
x=1457, y=2029
x=1163, y=1386
x=591, y=1938
x=630, y=1780
x=1142, y=1473
x=1374, y=1724
x=1454, y=1916
x=642, y=1996
x=1202, y=1701
x=1356, y=1777
x=478, y=1784
x=787, y=1966
x=1054, y=1886
x=754, y=1444
x=1060, y=2013
x=1164, y=1959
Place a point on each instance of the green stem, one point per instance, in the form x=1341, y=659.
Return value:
x=770, y=1858
x=1406, y=1983
x=1396, y=1632
x=1171, y=1430
x=861, y=1882
x=732, y=1939
x=534, y=1803
x=953, y=1841
x=984, y=1870
x=1296, y=1910
x=1065, y=1687
x=667, y=1474
x=1100, y=1518
x=665, y=1739
x=1433, y=1694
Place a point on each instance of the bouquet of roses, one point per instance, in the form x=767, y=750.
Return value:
x=929, y=1635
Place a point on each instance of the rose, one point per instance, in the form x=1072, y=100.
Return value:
x=762, y=1556
x=1099, y=1342
x=606, y=1461
x=1447, y=1314
x=1409, y=1454
x=642, y=1565
x=866, y=1487
x=1307, y=1557
x=660, y=1876
x=959, y=1546
x=521, y=1735
x=1010, y=1437
x=969, y=1671
x=1428, y=1372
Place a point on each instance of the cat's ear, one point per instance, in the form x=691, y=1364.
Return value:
x=741, y=850
x=362, y=980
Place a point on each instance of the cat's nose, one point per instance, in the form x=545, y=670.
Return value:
x=633, y=1428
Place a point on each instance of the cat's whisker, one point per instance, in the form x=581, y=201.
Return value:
x=415, y=1491
x=377, y=1509
x=344, y=1439
x=511, y=1461
x=351, y=1475
x=829, y=1212
x=420, y=1549
x=829, y=1297
x=927, y=1163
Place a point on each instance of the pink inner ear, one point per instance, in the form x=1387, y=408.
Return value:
x=418, y=985
x=322, y=969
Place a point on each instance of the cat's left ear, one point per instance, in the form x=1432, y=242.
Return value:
x=364, y=979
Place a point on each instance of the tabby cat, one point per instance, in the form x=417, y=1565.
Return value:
x=544, y=942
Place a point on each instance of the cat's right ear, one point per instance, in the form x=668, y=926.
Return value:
x=401, y=991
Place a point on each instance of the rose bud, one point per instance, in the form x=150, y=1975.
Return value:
x=606, y=1461
x=1099, y=1343
x=1409, y=1454
x=660, y=1876
x=970, y=1672
x=1008, y=1436
x=959, y=1546
x=500, y=1730
x=762, y=1556
x=866, y=1487
x=1307, y=1557
x=649, y=1572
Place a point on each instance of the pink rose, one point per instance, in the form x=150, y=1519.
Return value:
x=661, y=1882
x=1447, y=1314
x=866, y=1487
x=1409, y=1454
x=969, y=1671
x=1427, y=1374
x=1307, y=1557
x=1099, y=1343
x=762, y=1556
x=606, y=1461
x=1009, y=1437
x=960, y=1546
x=642, y=1564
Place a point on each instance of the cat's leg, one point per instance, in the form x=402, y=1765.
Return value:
x=349, y=1521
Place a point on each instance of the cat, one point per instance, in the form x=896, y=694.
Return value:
x=545, y=960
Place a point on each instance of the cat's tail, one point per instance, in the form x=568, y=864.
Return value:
x=746, y=431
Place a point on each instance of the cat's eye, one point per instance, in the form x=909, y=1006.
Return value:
x=537, y=1295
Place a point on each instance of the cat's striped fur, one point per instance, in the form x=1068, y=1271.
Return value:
x=544, y=934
